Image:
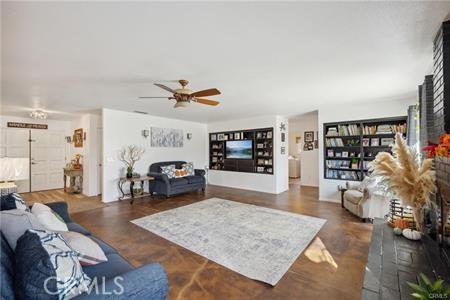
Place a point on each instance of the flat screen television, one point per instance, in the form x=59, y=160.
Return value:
x=239, y=149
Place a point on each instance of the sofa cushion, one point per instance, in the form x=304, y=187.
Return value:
x=77, y=228
x=168, y=170
x=48, y=218
x=178, y=181
x=89, y=250
x=156, y=167
x=353, y=196
x=189, y=168
x=116, y=265
x=47, y=268
x=13, y=201
x=6, y=270
x=194, y=179
x=15, y=222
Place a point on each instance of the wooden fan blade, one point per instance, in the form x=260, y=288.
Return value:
x=209, y=92
x=207, y=101
x=165, y=88
x=155, y=97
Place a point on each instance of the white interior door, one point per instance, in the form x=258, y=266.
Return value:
x=14, y=143
x=47, y=159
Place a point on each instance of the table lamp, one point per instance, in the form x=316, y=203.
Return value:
x=13, y=169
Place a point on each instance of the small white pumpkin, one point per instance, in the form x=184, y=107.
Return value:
x=412, y=234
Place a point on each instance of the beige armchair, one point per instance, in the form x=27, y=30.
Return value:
x=357, y=199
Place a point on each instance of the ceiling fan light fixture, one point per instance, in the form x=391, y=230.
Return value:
x=38, y=114
x=180, y=104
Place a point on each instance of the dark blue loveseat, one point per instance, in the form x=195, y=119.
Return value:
x=168, y=187
x=146, y=282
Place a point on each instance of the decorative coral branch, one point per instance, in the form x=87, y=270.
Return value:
x=411, y=182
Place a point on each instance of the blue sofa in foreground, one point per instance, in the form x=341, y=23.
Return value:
x=147, y=282
x=168, y=187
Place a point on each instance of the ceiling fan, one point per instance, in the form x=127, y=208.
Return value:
x=183, y=95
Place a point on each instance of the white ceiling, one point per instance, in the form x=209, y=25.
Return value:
x=286, y=58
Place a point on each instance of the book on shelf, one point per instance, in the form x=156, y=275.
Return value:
x=384, y=129
x=332, y=131
x=338, y=164
x=343, y=175
x=334, y=142
x=343, y=130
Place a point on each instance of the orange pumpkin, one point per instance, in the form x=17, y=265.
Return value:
x=401, y=223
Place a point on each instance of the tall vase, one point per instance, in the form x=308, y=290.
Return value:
x=129, y=172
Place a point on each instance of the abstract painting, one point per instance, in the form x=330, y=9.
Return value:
x=166, y=137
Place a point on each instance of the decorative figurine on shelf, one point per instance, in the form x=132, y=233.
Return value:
x=76, y=162
x=129, y=156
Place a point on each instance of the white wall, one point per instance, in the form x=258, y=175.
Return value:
x=123, y=128
x=91, y=146
x=276, y=183
x=335, y=113
x=309, y=160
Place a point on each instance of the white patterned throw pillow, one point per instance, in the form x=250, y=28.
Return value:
x=189, y=167
x=71, y=280
x=169, y=170
x=48, y=218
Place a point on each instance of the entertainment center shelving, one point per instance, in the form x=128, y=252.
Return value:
x=261, y=160
x=349, y=146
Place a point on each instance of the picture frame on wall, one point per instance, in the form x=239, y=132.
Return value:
x=283, y=137
x=375, y=142
x=298, y=139
x=213, y=137
x=283, y=150
x=221, y=137
x=365, y=142
x=309, y=136
x=237, y=136
x=344, y=154
x=78, y=138
x=330, y=153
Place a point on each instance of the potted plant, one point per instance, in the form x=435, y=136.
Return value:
x=129, y=156
x=429, y=290
x=411, y=181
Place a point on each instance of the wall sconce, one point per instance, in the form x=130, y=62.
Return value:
x=145, y=133
x=189, y=136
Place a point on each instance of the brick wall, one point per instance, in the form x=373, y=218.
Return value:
x=426, y=111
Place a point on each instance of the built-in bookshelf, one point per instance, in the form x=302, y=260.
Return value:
x=350, y=146
x=261, y=159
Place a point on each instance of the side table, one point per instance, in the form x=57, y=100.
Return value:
x=342, y=190
x=75, y=186
x=7, y=188
x=132, y=181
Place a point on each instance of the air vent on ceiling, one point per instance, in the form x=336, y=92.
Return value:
x=141, y=112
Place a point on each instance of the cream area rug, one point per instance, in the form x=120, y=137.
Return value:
x=257, y=242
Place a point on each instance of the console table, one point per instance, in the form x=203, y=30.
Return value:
x=132, y=181
x=76, y=186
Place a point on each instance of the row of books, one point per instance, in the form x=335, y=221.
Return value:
x=343, y=130
x=334, y=142
x=385, y=129
x=340, y=164
x=338, y=142
x=344, y=175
